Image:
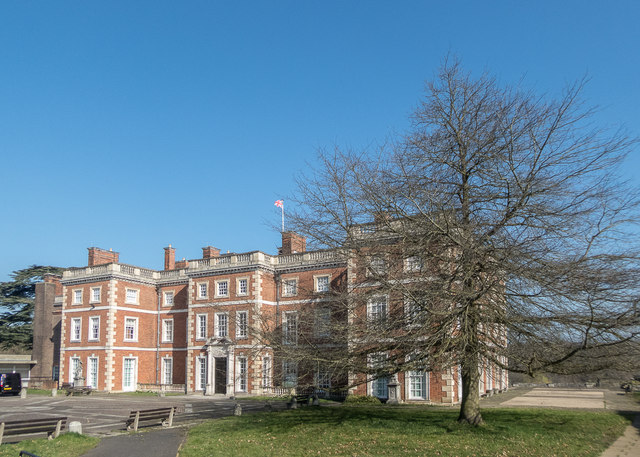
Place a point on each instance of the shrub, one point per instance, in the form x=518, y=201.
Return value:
x=362, y=399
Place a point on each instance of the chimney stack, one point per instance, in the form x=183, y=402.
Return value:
x=209, y=252
x=169, y=258
x=292, y=243
x=99, y=256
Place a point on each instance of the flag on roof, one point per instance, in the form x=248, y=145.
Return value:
x=279, y=203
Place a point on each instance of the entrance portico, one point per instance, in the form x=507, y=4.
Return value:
x=220, y=360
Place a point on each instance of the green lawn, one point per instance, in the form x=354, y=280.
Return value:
x=380, y=431
x=66, y=445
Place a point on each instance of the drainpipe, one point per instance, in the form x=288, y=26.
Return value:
x=158, y=291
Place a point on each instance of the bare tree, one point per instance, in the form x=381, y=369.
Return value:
x=498, y=217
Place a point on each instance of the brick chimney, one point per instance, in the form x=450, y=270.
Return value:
x=292, y=243
x=50, y=278
x=381, y=217
x=182, y=264
x=209, y=252
x=99, y=256
x=169, y=258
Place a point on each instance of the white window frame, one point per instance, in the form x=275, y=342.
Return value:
x=316, y=284
x=220, y=319
x=165, y=295
x=289, y=287
x=266, y=371
x=289, y=373
x=377, y=265
x=130, y=299
x=167, y=369
x=242, y=379
x=374, y=314
x=323, y=377
x=201, y=373
x=220, y=283
x=322, y=322
x=411, y=311
x=92, y=297
x=413, y=264
x=239, y=291
x=373, y=387
x=201, y=327
x=289, y=330
x=76, y=329
x=90, y=334
x=77, y=296
x=242, y=325
x=135, y=329
x=134, y=374
x=167, y=330
x=92, y=376
x=200, y=294
x=72, y=369
x=412, y=377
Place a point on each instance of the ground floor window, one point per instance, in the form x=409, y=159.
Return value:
x=379, y=384
x=417, y=384
x=242, y=374
x=323, y=378
x=92, y=372
x=129, y=373
x=266, y=371
x=74, y=368
x=167, y=370
x=289, y=373
x=201, y=379
x=379, y=387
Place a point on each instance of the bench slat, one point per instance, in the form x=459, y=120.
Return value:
x=51, y=425
x=147, y=415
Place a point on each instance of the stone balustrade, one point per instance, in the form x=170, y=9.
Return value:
x=199, y=265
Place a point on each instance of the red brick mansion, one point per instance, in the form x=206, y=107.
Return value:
x=193, y=326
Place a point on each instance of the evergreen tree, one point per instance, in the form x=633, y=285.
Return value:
x=16, y=306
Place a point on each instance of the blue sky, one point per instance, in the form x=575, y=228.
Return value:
x=132, y=125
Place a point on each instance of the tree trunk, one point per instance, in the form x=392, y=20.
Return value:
x=470, y=404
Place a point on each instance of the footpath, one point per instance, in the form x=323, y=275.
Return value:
x=156, y=443
x=628, y=445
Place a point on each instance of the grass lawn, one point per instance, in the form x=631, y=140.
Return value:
x=393, y=431
x=66, y=445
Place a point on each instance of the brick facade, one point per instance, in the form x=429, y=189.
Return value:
x=192, y=326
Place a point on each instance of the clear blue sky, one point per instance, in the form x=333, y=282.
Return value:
x=132, y=125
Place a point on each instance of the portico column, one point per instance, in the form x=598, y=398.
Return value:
x=210, y=370
x=231, y=385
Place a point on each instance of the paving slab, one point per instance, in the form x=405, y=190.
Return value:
x=556, y=398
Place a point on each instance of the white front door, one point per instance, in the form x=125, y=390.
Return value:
x=129, y=374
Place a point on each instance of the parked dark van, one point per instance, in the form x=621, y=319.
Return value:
x=10, y=383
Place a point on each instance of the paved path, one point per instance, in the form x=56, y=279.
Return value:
x=559, y=398
x=103, y=415
x=628, y=445
x=157, y=443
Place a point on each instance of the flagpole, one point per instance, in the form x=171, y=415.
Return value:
x=280, y=204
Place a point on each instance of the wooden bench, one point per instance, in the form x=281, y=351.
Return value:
x=51, y=425
x=164, y=415
x=77, y=390
x=299, y=400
